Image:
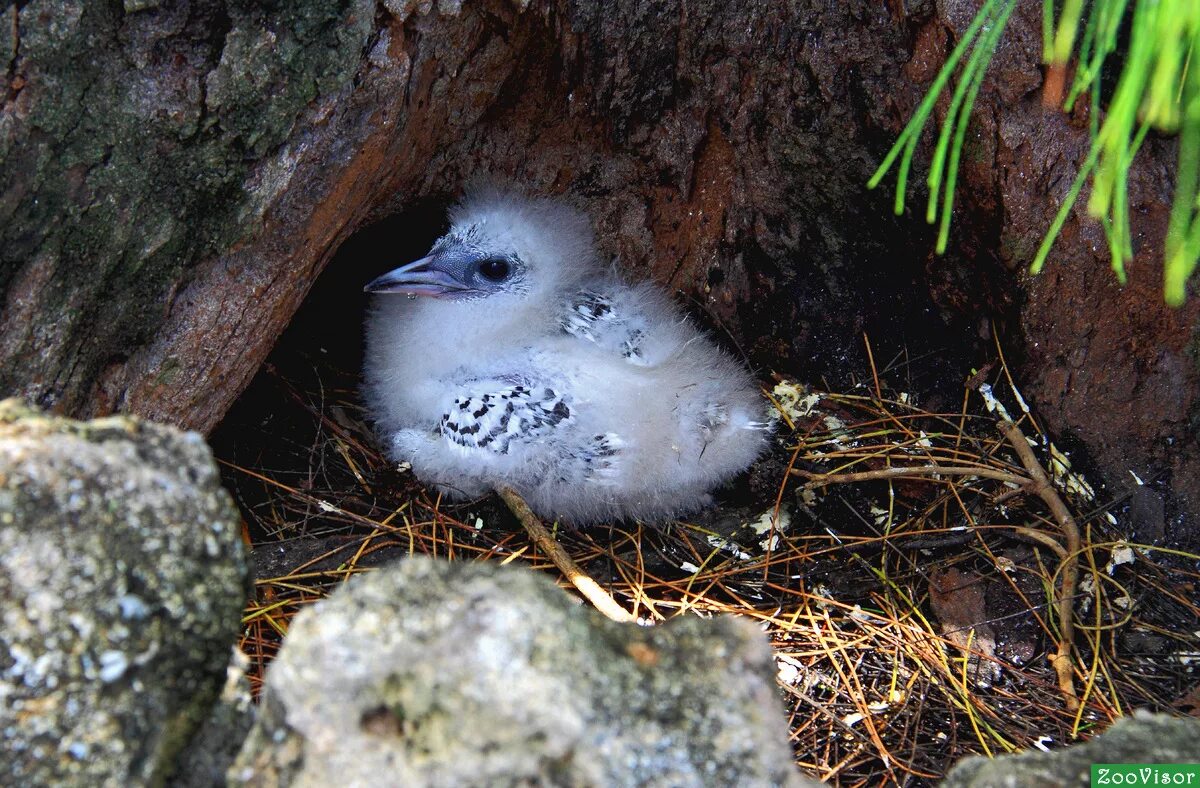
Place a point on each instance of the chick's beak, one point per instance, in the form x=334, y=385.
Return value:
x=422, y=277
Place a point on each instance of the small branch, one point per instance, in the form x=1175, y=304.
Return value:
x=1036, y=483
x=1052, y=87
x=1065, y=604
x=821, y=479
x=1044, y=539
x=583, y=583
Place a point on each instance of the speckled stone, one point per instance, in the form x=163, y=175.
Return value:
x=1142, y=738
x=434, y=673
x=122, y=578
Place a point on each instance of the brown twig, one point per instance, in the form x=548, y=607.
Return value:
x=1065, y=604
x=1036, y=483
x=821, y=479
x=1052, y=88
x=583, y=583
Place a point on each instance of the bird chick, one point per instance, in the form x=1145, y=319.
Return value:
x=526, y=363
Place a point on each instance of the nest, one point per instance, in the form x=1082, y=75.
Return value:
x=934, y=584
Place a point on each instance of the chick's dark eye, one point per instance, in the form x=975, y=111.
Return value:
x=494, y=270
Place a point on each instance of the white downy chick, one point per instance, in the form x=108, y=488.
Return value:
x=516, y=359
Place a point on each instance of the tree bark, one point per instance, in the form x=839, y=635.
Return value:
x=177, y=174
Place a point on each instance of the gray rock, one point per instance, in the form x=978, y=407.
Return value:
x=1143, y=738
x=122, y=577
x=430, y=673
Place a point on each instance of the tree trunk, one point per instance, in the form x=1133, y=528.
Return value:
x=177, y=174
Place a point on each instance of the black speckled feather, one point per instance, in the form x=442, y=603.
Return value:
x=594, y=317
x=505, y=414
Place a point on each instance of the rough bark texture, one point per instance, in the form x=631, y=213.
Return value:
x=140, y=145
x=177, y=174
x=1112, y=367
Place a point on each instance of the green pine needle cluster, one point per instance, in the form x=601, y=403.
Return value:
x=1158, y=88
